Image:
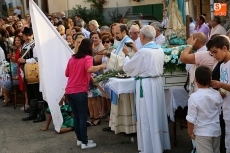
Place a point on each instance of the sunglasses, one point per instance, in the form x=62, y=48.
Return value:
x=105, y=42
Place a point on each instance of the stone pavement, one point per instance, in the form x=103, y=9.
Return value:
x=17, y=136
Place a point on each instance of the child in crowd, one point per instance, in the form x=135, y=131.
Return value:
x=66, y=112
x=219, y=48
x=204, y=108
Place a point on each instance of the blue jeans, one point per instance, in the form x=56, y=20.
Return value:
x=79, y=105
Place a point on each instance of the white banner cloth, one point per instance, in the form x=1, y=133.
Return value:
x=53, y=55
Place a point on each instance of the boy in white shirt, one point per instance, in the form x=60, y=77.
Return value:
x=219, y=48
x=204, y=107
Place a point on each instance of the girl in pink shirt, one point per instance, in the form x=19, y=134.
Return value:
x=78, y=71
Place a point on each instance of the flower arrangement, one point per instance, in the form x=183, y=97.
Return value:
x=5, y=67
x=5, y=70
x=172, y=61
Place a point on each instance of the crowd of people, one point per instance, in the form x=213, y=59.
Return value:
x=137, y=51
x=206, y=57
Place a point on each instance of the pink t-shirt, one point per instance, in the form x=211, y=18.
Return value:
x=204, y=58
x=201, y=58
x=78, y=77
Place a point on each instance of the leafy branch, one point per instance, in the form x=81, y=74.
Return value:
x=115, y=15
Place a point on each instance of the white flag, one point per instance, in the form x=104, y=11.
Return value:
x=53, y=55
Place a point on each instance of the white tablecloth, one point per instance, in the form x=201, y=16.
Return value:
x=121, y=85
x=122, y=115
x=174, y=96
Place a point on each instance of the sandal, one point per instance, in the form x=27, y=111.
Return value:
x=91, y=120
x=6, y=103
x=96, y=121
x=102, y=115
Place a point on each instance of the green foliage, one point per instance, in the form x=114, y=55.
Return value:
x=82, y=11
x=96, y=12
x=115, y=15
x=171, y=68
x=105, y=77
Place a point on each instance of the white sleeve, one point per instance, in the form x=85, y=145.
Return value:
x=115, y=62
x=192, y=111
x=132, y=66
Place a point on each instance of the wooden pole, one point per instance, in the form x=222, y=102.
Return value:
x=187, y=27
x=187, y=19
x=100, y=88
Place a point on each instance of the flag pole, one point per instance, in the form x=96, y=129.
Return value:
x=100, y=88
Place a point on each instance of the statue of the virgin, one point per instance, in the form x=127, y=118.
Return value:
x=176, y=29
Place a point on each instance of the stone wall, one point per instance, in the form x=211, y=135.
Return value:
x=205, y=9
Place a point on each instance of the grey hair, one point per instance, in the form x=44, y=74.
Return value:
x=156, y=25
x=133, y=27
x=149, y=32
x=228, y=32
x=79, y=23
x=106, y=28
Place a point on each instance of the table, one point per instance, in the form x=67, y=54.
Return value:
x=175, y=97
x=122, y=113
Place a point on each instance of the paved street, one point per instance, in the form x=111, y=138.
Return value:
x=17, y=136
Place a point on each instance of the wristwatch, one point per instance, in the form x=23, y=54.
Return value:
x=189, y=46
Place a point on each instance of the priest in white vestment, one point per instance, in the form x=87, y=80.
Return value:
x=116, y=57
x=122, y=115
x=147, y=67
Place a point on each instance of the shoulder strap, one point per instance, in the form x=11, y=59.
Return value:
x=28, y=49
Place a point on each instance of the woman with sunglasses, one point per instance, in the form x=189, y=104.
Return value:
x=94, y=102
x=107, y=41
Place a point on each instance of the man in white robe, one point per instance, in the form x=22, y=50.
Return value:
x=122, y=117
x=147, y=67
x=116, y=57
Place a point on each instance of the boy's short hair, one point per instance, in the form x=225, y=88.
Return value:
x=218, y=42
x=203, y=75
